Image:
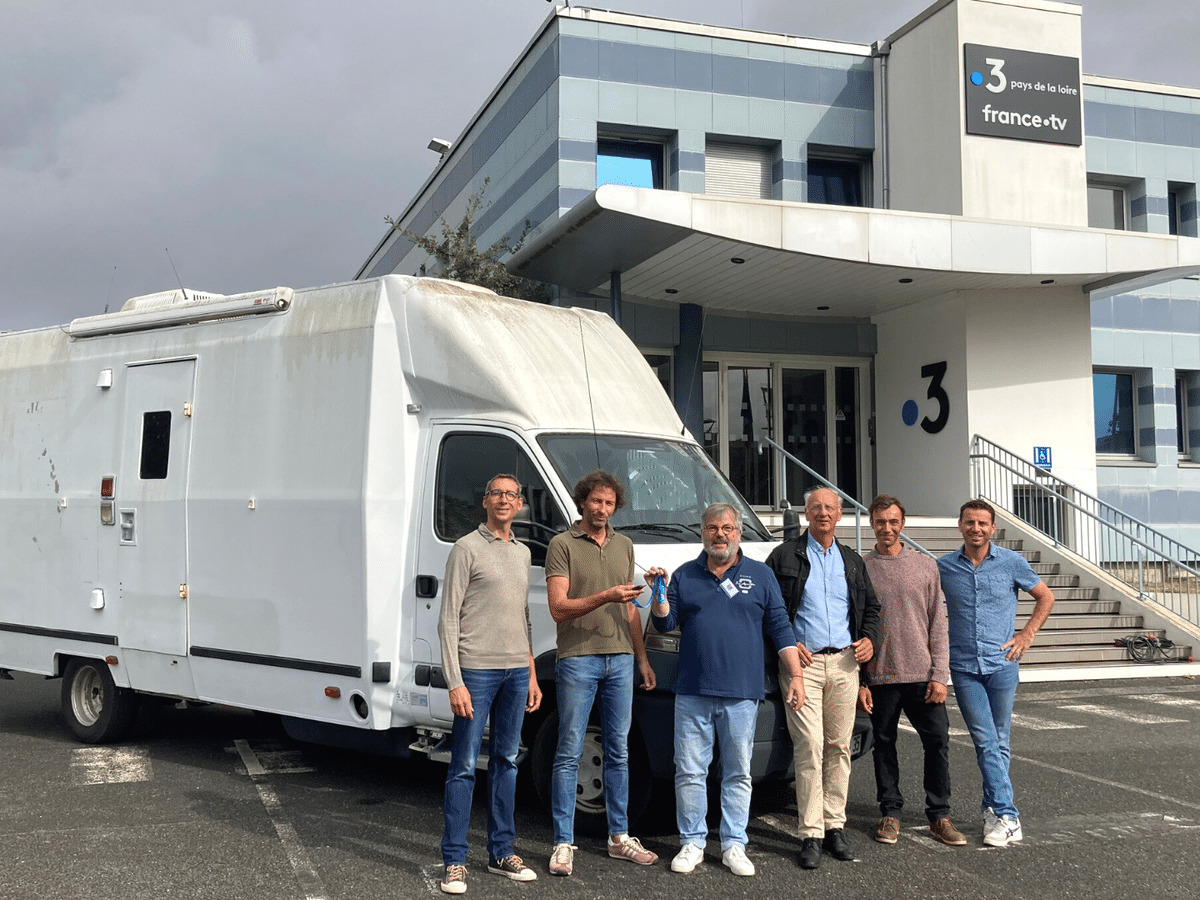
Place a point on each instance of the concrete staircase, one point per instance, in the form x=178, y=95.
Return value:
x=1090, y=615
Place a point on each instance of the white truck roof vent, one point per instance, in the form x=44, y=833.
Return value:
x=179, y=308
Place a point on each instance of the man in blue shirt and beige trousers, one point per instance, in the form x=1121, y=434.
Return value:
x=980, y=581
x=723, y=605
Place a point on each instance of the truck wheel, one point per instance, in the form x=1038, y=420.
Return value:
x=591, y=813
x=95, y=709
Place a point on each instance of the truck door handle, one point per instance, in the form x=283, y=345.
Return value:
x=427, y=586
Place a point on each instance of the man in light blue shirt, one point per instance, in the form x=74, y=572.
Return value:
x=981, y=582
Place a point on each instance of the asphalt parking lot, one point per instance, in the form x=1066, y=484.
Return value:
x=215, y=802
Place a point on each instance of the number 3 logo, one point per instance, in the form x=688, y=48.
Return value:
x=997, y=71
x=935, y=372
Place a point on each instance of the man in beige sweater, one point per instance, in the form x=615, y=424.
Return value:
x=909, y=673
x=487, y=657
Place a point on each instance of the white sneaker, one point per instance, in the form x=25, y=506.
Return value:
x=1000, y=831
x=687, y=858
x=736, y=861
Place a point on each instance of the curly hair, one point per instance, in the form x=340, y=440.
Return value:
x=591, y=481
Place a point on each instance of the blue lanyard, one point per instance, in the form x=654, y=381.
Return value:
x=657, y=595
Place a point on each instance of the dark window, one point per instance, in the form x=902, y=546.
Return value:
x=1172, y=212
x=466, y=463
x=839, y=182
x=635, y=163
x=156, y=444
x=1113, y=405
x=1181, y=415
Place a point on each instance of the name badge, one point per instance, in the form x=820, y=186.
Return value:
x=729, y=587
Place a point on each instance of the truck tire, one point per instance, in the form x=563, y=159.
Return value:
x=591, y=814
x=95, y=709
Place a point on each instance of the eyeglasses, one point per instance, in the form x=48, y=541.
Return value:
x=721, y=529
x=497, y=494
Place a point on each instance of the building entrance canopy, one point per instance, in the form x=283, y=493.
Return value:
x=800, y=257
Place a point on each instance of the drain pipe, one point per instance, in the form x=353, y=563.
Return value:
x=880, y=50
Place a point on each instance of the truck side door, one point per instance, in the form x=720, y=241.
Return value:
x=152, y=506
x=453, y=506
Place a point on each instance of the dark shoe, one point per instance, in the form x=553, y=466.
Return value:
x=943, y=830
x=810, y=853
x=836, y=846
x=888, y=830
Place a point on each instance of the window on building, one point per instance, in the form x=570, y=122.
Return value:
x=1114, y=406
x=661, y=364
x=738, y=170
x=1107, y=206
x=1182, y=419
x=1172, y=212
x=631, y=162
x=841, y=182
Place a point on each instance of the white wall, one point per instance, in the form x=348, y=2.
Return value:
x=934, y=165
x=1018, y=373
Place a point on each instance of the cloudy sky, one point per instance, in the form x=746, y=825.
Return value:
x=263, y=142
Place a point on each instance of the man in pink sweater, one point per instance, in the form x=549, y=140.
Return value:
x=908, y=673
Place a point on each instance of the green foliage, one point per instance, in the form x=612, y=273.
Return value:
x=459, y=257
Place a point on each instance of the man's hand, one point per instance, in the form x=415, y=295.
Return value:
x=460, y=702
x=535, y=696
x=935, y=692
x=806, y=658
x=863, y=650
x=793, y=698
x=865, y=701
x=1018, y=645
x=622, y=593
x=649, y=680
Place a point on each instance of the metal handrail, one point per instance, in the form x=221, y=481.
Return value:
x=1158, y=567
x=859, y=509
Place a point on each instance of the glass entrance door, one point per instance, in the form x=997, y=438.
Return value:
x=814, y=410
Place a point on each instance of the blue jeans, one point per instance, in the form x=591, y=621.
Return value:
x=503, y=693
x=698, y=720
x=579, y=680
x=986, y=703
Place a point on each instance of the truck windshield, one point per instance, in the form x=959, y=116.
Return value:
x=668, y=483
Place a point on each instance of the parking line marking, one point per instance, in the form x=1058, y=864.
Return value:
x=1109, y=712
x=1166, y=700
x=293, y=848
x=1033, y=723
x=110, y=765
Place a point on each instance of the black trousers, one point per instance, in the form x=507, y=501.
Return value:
x=933, y=727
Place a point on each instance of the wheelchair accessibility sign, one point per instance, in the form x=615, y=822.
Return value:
x=1041, y=458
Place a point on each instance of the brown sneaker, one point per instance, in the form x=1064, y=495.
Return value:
x=631, y=848
x=888, y=830
x=943, y=830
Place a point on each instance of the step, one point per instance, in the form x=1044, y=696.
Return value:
x=1057, y=622
x=1067, y=581
x=1049, y=638
x=1088, y=654
x=1068, y=593
x=1074, y=607
x=1042, y=568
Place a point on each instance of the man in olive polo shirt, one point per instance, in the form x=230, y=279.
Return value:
x=589, y=587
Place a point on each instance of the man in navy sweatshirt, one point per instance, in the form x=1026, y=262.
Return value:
x=722, y=604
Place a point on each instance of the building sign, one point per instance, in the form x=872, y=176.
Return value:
x=1042, y=458
x=1023, y=96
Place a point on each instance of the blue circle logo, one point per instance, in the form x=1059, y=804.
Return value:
x=976, y=78
x=909, y=413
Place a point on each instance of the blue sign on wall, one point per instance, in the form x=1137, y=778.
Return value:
x=1041, y=458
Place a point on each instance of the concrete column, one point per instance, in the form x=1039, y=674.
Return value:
x=688, y=381
x=614, y=296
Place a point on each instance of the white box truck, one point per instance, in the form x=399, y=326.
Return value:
x=249, y=500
